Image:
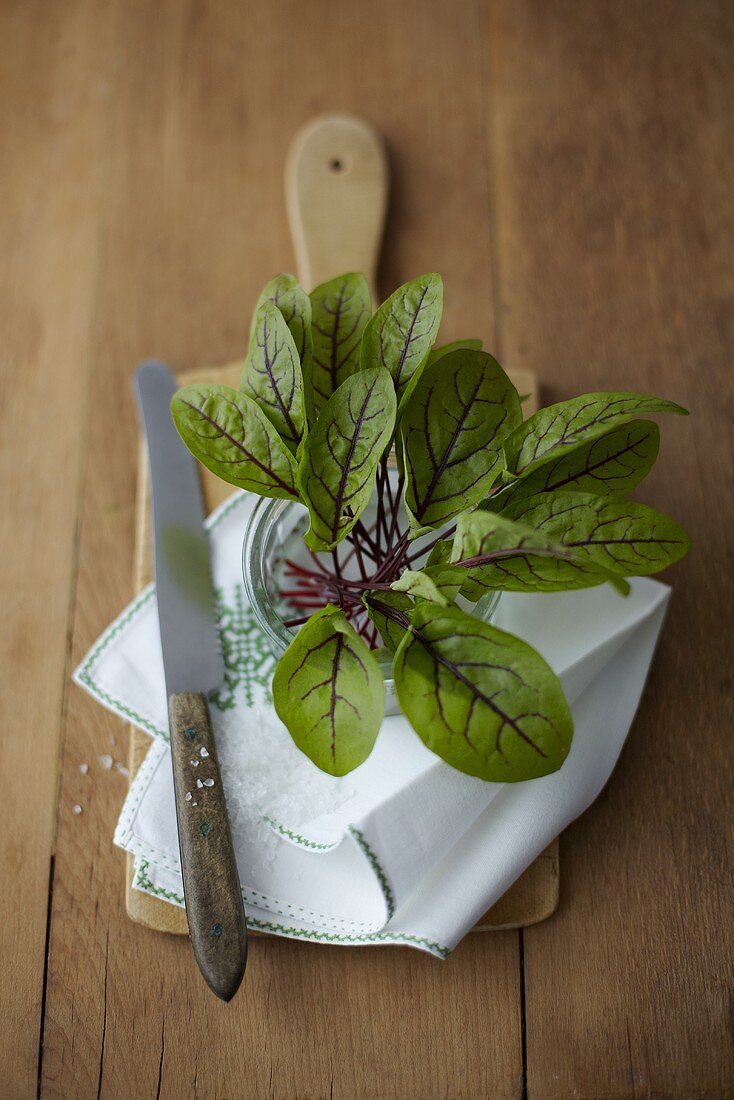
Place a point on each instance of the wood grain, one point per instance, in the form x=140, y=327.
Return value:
x=336, y=190
x=612, y=145
x=55, y=93
x=142, y=210
x=195, y=226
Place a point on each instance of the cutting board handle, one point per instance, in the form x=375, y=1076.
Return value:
x=336, y=180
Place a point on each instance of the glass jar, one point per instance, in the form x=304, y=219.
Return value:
x=274, y=536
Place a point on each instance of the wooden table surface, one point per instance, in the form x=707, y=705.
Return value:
x=568, y=167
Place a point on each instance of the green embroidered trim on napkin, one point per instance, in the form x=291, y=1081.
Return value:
x=248, y=659
x=377, y=868
x=143, y=882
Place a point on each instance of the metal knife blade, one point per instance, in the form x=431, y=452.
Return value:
x=193, y=665
x=191, y=654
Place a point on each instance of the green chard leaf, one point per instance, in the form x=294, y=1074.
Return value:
x=329, y=691
x=401, y=333
x=437, y=580
x=619, y=535
x=294, y=305
x=552, y=430
x=491, y=551
x=391, y=629
x=272, y=376
x=615, y=462
x=421, y=586
x=440, y=554
x=456, y=345
x=481, y=699
x=340, y=310
x=340, y=455
x=232, y=437
x=286, y=293
x=452, y=429
x=433, y=357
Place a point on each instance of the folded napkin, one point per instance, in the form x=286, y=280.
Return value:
x=404, y=850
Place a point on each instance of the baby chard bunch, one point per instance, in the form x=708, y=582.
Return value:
x=329, y=392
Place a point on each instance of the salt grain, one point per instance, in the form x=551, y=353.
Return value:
x=203, y=751
x=106, y=761
x=76, y=809
x=208, y=782
x=122, y=769
x=188, y=796
x=265, y=775
x=194, y=763
x=199, y=783
x=84, y=768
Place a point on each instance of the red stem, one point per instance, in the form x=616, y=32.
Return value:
x=434, y=542
x=382, y=543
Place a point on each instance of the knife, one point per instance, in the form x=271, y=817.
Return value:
x=193, y=665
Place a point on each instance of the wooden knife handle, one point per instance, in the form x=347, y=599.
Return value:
x=336, y=195
x=214, y=908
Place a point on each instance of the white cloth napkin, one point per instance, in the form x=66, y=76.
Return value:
x=405, y=850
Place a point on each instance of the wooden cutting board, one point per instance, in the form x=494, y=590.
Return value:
x=535, y=894
x=336, y=185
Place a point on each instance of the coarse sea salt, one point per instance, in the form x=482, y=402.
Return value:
x=266, y=776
